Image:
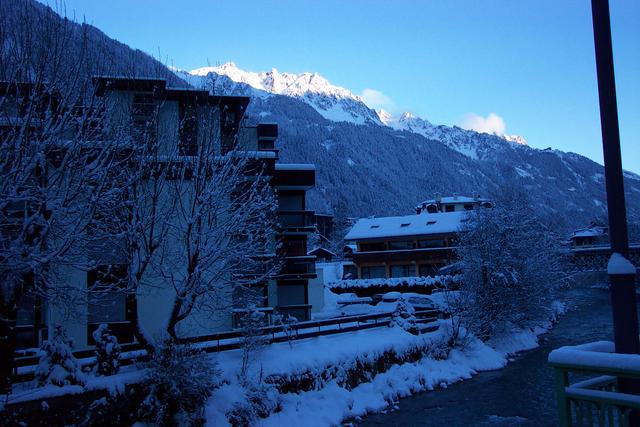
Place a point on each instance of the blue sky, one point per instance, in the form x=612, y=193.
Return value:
x=529, y=62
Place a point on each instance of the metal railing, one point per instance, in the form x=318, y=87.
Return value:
x=593, y=398
x=230, y=340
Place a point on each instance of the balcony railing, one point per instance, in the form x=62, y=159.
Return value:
x=298, y=266
x=594, y=399
x=295, y=219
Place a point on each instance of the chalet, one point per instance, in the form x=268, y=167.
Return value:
x=180, y=120
x=404, y=246
x=593, y=234
x=452, y=204
x=322, y=254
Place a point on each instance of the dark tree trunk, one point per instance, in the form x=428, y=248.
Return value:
x=7, y=345
x=174, y=319
x=138, y=331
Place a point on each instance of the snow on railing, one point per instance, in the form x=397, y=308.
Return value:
x=594, y=399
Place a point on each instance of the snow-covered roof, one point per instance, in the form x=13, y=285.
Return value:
x=587, y=233
x=295, y=166
x=316, y=250
x=591, y=231
x=455, y=199
x=410, y=225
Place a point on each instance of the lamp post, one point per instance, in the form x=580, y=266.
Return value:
x=621, y=271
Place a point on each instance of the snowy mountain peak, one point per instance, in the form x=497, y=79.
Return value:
x=384, y=116
x=407, y=116
x=333, y=102
x=515, y=139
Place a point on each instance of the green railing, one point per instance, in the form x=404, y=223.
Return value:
x=587, y=384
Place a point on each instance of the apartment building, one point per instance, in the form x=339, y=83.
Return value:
x=179, y=121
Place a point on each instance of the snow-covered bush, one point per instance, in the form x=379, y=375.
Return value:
x=259, y=401
x=253, y=340
x=107, y=351
x=403, y=317
x=180, y=379
x=287, y=323
x=512, y=265
x=58, y=365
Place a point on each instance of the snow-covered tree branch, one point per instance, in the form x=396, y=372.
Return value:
x=512, y=266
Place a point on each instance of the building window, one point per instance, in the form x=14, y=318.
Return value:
x=432, y=208
x=468, y=206
x=108, y=301
x=144, y=118
x=291, y=201
x=254, y=295
x=188, y=144
x=28, y=322
x=432, y=243
x=406, y=270
x=292, y=294
x=377, y=246
x=449, y=208
x=374, y=272
x=294, y=247
x=403, y=244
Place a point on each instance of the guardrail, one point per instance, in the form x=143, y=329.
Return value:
x=24, y=367
x=596, y=399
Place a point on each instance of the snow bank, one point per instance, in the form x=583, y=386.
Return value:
x=330, y=400
x=114, y=384
x=428, y=282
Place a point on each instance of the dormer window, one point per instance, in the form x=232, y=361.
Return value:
x=430, y=222
x=375, y=226
x=406, y=224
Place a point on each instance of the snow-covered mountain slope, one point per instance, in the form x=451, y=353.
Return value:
x=386, y=166
x=456, y=138
x=332, y=102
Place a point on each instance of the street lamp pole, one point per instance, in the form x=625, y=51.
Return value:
x=621, y=271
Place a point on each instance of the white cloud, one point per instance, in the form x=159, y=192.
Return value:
x=493, y=123
x=377, y=100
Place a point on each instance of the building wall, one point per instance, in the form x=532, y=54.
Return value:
x=156, y=295
x=426, y=259
x=316, y=291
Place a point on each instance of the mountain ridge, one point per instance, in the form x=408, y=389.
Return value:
x=333, y=102
x=365, y=167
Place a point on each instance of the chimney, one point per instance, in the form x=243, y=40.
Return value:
x=438, y=198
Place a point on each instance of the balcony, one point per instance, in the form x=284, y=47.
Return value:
x=596, y=399
x=298, y=220
x=422, y=254
x=294, y=176
x=302, y=267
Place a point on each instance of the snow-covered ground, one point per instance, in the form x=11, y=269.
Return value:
x=332, y=402
x=329, y=359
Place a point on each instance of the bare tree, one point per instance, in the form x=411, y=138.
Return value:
x=512, y=266
x=223, y=236
x=53, y=167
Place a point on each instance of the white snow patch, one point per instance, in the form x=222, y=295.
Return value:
x=523, y=173
x=619, y=265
